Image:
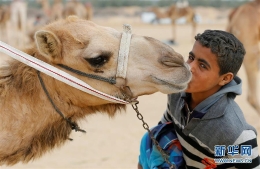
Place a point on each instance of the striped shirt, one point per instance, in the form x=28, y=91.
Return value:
x=201, y=135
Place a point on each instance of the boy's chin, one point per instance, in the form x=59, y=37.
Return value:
x=187, y=90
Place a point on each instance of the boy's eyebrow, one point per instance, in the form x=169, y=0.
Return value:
x=200, y=60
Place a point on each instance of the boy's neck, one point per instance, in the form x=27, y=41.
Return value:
x=197, y=98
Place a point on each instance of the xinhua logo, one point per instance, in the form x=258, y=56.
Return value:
x=242, y=151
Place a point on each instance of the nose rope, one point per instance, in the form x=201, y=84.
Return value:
x=111, y=80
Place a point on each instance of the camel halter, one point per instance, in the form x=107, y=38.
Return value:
x=122, y=61
x=71, y=80
x=123, y=52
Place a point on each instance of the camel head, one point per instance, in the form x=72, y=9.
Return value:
x=87, y=47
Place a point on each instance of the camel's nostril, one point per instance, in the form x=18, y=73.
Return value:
x=171, y=64
x=175, y=61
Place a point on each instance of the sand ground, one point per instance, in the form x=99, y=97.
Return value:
x=114, y=143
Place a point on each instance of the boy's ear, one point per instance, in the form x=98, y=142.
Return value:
x=226, y=78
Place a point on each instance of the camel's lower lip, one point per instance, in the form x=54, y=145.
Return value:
x=134, y=100
x=179, y=87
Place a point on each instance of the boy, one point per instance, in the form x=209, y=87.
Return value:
x=209, y=124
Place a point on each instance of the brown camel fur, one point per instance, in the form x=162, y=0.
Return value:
x=244, y=23
x=174, y=13
x=29, y=124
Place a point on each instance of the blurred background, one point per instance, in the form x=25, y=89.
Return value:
x=144, y=3
x=21, y=18
x=113, y=143
x=26, y=16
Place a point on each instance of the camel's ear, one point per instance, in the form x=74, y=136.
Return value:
x=48, y=44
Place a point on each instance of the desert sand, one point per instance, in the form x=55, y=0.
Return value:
x=113, y=143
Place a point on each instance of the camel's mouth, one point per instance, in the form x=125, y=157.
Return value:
x=126, y=94
x=127, y=98
x=174, y=86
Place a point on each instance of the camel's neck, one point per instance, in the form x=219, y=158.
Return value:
x=41, y=93
x=29, y=124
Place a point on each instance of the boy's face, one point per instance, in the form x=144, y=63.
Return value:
x=205, y=71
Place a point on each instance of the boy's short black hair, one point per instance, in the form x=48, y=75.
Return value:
x=228, y=49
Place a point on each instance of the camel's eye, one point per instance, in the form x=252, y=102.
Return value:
x=99, y=60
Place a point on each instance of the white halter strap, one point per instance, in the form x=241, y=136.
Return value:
x=63, y=76
x=123, y=52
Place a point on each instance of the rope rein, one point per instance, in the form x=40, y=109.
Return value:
x=73, y=125
x=164, y=154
